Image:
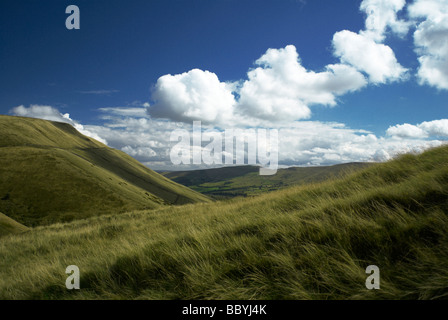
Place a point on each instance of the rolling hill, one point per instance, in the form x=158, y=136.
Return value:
x=229, y=182
x=303, y=242
x=50, y=172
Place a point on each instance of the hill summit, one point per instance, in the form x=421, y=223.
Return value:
x=50, y=172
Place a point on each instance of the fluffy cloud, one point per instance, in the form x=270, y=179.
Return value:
x=406, y=131
x=145, y=139
x=279, y=89
x=193, y=95
x=430, y=39
x=436, y=128
x=381, y=15
x=365, y=50
x=375, y=59
x=317, y=143
x=53, y=114
x=282, y=89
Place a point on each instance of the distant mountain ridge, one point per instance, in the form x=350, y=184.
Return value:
x=50, y=172
x=229, y=182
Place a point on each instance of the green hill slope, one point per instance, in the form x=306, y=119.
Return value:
x=305, y=242
x=9, y=226
x=244, y=181
x=50, y=172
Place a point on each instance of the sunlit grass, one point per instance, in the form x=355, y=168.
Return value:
x=309, y=242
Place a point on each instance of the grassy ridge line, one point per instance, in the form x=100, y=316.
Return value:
x=49, y=172
x=9, y=226
x=310, y=242
x=22, y=131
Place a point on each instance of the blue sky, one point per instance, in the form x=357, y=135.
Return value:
x=127, y=46
x=123, y=48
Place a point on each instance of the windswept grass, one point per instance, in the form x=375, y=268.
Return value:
x=309, y=242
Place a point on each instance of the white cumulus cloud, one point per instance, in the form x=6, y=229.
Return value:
x=381, y=15
x=435, y=128
x=406, y=131
x=365, y=50
x=278, y=89
x=375, y=59
x=431, y=41
x=193, y=95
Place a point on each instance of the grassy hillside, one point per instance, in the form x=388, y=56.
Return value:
x=9, y=226
x=245, y=181
x=305, y=242
x=50, y=172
